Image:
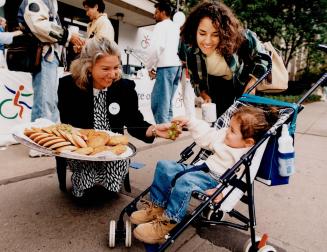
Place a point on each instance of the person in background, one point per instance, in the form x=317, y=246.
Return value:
x=3, y=23
x=163, y=63
x=222, y=57
x=100, y=25
x=95, y=96
x=41, y=18
x=6, y=38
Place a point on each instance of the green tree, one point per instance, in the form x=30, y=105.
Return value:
x=185, y=5
x=289, y=24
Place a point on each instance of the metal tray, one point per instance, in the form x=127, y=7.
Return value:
x=104, y=156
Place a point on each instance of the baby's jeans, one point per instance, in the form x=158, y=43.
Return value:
x=176, y=200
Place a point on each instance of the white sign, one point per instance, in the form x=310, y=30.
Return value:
x=16, y=99
x=144, y=88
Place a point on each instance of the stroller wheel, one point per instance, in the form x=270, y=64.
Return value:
x=248, y=245
x=128, y=234
x=215, y=215
x=112, y=234
x=267, y=248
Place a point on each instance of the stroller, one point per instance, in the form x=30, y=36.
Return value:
x=260, y=163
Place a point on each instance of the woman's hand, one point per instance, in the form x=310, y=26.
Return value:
x=76, y=40
x=249, y=85
x=180, y=121
x=152, y=74
x=211, y=191
x=206, y=98
x=172, y=132
x=17, y=33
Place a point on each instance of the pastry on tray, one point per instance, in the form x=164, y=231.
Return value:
x=66, y=138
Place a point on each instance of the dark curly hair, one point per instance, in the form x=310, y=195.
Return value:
x=230, y=30
x=92, y=3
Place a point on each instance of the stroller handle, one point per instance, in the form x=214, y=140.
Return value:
x=322, y=47
x=267, y=58
x=322, y=80
x=313, y=88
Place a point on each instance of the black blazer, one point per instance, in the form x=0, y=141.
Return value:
x=76, y=107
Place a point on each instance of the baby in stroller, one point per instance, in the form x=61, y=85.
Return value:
x=170, y=194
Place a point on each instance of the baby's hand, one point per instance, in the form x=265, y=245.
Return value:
x=168, y=130
x=211, y=191
x=180, y=121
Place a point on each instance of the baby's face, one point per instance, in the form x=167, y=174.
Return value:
x=234, y=138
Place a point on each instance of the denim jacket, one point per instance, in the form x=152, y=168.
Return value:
x=243, y=64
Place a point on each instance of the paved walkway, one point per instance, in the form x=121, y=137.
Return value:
x=36, y=216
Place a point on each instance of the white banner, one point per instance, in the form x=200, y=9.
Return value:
x=16, y=99
x=144, y=88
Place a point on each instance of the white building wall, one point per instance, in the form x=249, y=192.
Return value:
x=136, y=39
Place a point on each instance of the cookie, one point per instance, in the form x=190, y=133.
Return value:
x=66, y=148
x=47, y=139
x=28, y=132
x=97, y=138
x=119, y=139
x=59, y=144
x=54, y=141
x=34, y=135
x=79, y=141
x=118, y=149
x=85, y=151
x=40, y=137
x=99, y=149
x=69, y=137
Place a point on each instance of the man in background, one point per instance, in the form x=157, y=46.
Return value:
x=163, y=63
x=41, y=18
x=5, y=38
x=2, y=29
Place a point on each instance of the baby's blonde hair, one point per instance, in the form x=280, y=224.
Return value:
x=255, y=122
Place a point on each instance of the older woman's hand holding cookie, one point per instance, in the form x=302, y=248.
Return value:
x=165, y=130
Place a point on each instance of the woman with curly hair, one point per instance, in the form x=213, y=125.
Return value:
x=222, y=57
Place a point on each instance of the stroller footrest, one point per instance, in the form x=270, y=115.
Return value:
x=245, y=199
x=239, y=216
x=238, y=183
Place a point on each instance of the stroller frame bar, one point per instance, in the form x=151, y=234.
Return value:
x=225, y=180
x=226, y=177
x=246, y=159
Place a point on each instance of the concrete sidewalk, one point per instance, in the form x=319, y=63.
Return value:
x=36, y=216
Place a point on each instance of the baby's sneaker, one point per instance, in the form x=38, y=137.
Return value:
x=154, y=232
x=149, y=212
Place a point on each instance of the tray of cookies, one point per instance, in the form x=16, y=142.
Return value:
x=63, y=140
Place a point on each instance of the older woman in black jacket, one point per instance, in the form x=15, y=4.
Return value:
x=95, y=96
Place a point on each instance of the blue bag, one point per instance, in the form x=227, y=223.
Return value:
x=268, y=170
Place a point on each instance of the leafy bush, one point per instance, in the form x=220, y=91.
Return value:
x=294, y=98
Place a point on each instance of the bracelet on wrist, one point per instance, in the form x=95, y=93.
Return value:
x=154, y=131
